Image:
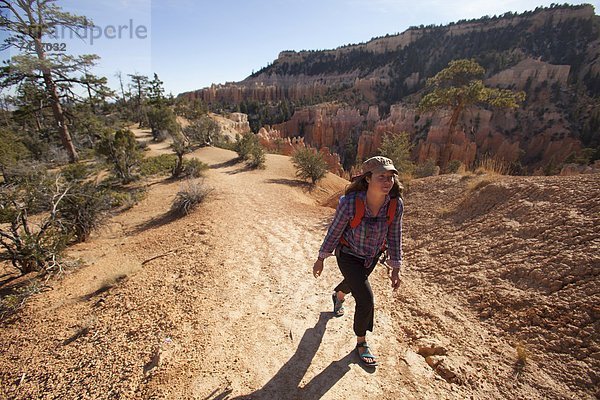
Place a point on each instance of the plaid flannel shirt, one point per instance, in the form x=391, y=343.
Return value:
x=365, y=241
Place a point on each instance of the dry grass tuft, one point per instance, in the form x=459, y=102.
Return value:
x=488, y=171
x=445, y=210
x=481, y=181
x=189, y=197
x=492, y=166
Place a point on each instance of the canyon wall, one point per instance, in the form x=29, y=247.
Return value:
x=541, y=140
x=350, y=113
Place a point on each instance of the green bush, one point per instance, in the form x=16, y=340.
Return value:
x=203, y=131
x=188, y=198
x=582, y=157
x=163, y=122
x=125, y=199
x=83, y=210
x=122, y=153
x=76, y=172
x=12, y=151
x=257, y=157
x=397, y=147
x=158, y=165
x=227, y=144
x=87, y=127
x=309, y=164
x=193, y=168
x=454, y=166
x=244, y=144
x=249, y=149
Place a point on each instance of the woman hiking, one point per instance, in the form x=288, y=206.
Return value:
x=367, y=219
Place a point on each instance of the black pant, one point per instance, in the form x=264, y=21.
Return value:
x=356, y=281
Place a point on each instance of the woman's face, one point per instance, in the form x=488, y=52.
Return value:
x=381, y=182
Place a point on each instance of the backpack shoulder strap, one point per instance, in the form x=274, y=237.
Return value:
x=391, y=213
x=359, y=212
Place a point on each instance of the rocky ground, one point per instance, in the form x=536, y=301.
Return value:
x=499, y=297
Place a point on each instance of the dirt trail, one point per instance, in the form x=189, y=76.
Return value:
x=222, y=304
x=269, y=333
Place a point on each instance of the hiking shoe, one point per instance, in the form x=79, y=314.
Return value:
x=338, y=305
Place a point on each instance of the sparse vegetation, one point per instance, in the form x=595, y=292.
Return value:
x=455, y=166
x=481, y=181
x=492, y=166
x=180, y=146
x=77, y=172
x=83, y=210
x=31, y=246
x=189, y=197
x=15, y=300
x=12, y=151
x=124, y=199
x=309, y=164
x=522, y=354
x=488, y=171
x=428, y=168
x=522, y=358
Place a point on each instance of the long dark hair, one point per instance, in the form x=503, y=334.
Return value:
x=360, y=184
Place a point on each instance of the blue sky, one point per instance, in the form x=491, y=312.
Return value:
x=191, y=44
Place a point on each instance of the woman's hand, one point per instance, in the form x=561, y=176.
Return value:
x=318, y=268
x=395, y=278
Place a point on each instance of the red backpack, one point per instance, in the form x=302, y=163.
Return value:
x=359, y=213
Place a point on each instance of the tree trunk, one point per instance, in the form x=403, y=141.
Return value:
x=91, y=99
x=5, y=177
x=122, y=90
x=57, y=110
x=139, y=106
x=178, y=166
x=38, y=118
x=445, y=152
x=454, y=119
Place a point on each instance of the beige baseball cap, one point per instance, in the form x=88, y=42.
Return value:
x=378, y=164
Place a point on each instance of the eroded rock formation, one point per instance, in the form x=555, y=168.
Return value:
x=537, y=134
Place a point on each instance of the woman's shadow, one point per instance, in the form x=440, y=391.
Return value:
x=286, y=382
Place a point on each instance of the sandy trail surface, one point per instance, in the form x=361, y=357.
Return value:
x=221, y=304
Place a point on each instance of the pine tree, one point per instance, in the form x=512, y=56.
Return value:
x=28, y=23
x=460, y=85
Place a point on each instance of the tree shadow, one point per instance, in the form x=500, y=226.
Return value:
x=287, y=380
x=156, y=222
x=290, y=182
x=14, y=292
x=9, y=278
x=166, y=180
x=244, y=168
x=225, y=164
